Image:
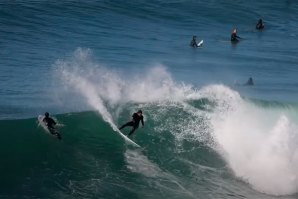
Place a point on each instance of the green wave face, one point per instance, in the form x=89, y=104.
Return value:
x=183, y=153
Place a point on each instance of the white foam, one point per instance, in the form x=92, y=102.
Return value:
x=259, y=144
x=85, y=88
x=138, y=163
x=115, y=87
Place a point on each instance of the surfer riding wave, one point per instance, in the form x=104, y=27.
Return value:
x=50, y=123
x=136, y=118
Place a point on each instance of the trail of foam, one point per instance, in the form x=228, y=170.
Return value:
x=90, y=93
x=92, y=96
x=138, y=163
x=73, y=77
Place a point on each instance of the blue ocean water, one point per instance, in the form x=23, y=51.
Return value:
x=113, y=57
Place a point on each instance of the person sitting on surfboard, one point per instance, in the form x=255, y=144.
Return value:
x=50, y=123
x=260, y=25
x=136, y=118
x=193, y=42
x=234, y=36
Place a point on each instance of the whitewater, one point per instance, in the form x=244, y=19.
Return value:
x=93, y=64
x=258, y=143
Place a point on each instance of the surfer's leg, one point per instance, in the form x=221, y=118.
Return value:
x=127, y=124
x=55, y=132
x=132, y=130
x=52, y=130
x=58, y=136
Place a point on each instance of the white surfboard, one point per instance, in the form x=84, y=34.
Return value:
x=129, y=141
x=200, y=44
x=42, y=124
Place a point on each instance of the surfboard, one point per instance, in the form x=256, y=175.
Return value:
x=127, y=140
x=200, y=44
x=44, y=126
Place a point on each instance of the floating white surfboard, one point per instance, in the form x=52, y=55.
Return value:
x=200, y=44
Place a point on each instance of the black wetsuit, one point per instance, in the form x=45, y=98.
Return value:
x=134, y=123
x=50, y=124
x=260, y=26
x=249, y=82
x=234, y=37
x=193, y=43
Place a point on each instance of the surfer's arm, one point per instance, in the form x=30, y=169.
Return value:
x=134, y=116
x=45, y=121
x=52, y=122
x=142, y=120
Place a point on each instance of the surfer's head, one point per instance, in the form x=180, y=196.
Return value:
x=139, y=112
x=194, y=37
x=234, y=31
x=46, y=114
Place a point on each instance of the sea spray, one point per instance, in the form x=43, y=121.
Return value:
x=259, y=144
x=116, y=87
x=95, y=96
x=97, y=84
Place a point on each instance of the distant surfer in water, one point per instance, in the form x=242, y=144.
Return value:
x=193, y=42
x=136, y=118
x=260, y=25
x=249, y=82
x=234, y=36
x=51, y=125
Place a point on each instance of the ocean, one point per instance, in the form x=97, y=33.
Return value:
x=92, y=64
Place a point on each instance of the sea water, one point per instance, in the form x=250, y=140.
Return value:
x=92, y=64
